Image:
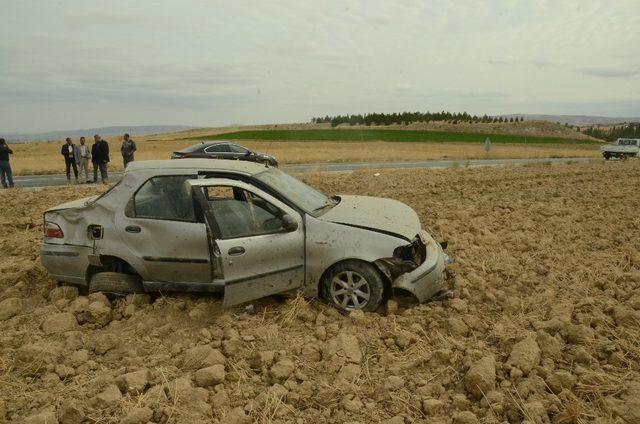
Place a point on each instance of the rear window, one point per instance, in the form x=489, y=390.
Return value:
x=96, y=198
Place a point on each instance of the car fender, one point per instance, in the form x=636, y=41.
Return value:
x=328, y=243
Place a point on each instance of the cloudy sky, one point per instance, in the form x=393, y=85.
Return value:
x=78, y=64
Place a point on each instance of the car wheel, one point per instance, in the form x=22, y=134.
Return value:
x=353, y=285
x=606, y=157
x=115, y=283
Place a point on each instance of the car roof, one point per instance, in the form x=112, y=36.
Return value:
x=239, y=166
x=212, y=143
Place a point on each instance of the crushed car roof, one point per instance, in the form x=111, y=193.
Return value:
x=205, y=164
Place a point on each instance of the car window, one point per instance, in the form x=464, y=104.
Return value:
x=217, y=148
x=240, y=213
x=237, y=149
x=165, y=197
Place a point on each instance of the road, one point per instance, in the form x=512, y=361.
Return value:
x=60, y=179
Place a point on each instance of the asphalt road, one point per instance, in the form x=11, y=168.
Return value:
x=61, y=179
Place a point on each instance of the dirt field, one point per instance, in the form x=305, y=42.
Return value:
x=544, y=325
x=43, y=158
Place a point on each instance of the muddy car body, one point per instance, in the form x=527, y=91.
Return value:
x=242, y=228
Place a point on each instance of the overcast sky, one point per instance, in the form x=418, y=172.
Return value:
x=79, y=64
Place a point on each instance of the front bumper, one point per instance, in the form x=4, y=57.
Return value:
x=425, y=281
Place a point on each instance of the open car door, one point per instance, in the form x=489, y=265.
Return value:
x=257, y=241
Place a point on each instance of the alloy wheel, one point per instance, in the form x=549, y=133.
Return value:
x=350, y=290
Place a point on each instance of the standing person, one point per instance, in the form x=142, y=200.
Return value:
x=83, y=155
x=100, y=158
x=68, y=151
x=127, y=150
x=5, y=167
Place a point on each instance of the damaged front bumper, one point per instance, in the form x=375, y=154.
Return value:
x=425, y=281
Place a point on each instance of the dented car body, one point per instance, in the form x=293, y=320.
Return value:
x=242, y=228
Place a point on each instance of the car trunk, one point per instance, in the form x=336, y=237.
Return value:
x=71, y=218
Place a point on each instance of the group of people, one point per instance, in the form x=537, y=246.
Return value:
x=76, y=158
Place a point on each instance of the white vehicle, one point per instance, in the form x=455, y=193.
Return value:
x=623, y=148
x=245, y=229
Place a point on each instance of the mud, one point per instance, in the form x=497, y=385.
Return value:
x=543, y=326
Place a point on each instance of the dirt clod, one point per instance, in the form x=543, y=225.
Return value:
x=10, y=307
x=107, y=398
x=201, y=357
x=210, y=376
x=282, y=369
x=138, y=416
x=71, y=412
x=465, y=417
x=561, y=380
x=481, y=377
x=133, y=382
x=59, y=323
x=525, y=355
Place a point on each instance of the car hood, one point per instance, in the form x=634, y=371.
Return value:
x=376, y=214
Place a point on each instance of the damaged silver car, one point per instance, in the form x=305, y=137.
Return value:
x=244, y=229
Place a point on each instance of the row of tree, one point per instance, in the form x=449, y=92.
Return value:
x=631, y=130
x=409, y=117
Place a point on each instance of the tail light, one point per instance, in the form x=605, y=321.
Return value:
x=52, y=230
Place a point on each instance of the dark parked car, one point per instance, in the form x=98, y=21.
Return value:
x=223, y=150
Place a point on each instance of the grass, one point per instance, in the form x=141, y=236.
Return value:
x=385, y=135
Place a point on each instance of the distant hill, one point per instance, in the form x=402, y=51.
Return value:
x=89, y=132
x=579, y=120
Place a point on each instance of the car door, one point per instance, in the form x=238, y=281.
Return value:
x=258, y=240
x=159, y=226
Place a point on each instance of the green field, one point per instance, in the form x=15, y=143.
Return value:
x=384, y=135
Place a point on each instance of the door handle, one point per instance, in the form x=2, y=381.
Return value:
x=236, y=251
x=132, y=229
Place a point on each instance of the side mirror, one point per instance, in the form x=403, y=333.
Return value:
x=288, y=223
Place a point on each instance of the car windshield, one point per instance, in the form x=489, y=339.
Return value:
x=306, y=198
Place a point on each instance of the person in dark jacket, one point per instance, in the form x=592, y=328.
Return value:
x=100, y=158
x=128, y=149
x=69, y=152
x=5, y=167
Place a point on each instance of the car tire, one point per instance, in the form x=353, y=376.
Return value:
x=115, y=283
x=352, y=285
